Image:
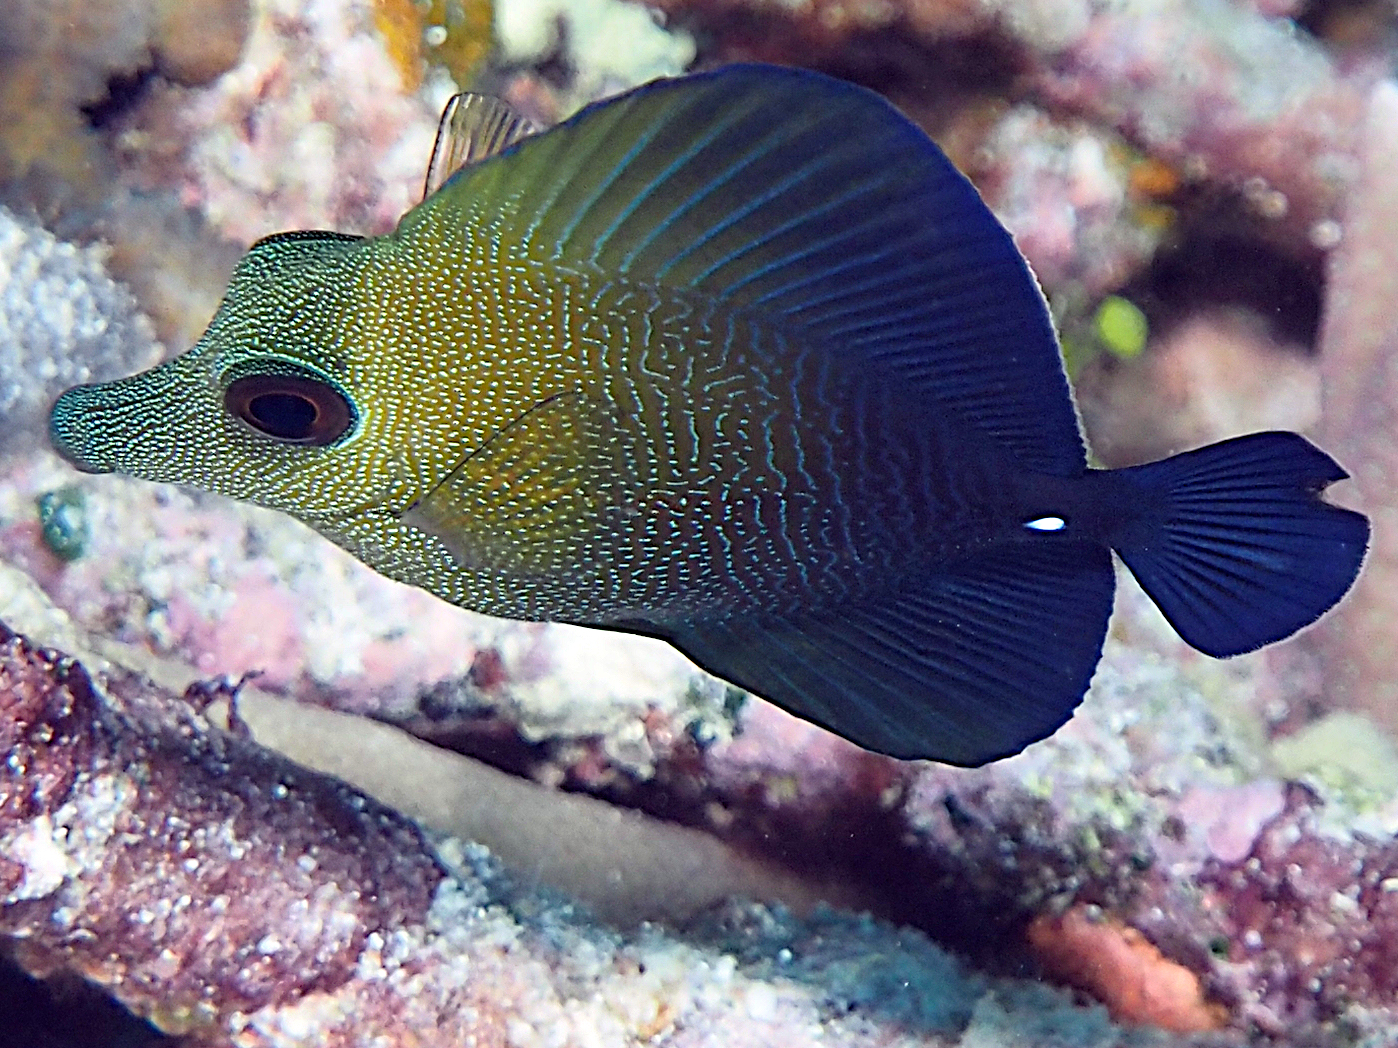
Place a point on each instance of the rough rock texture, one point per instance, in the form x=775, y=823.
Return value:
x=200, y=875
x=1261, y=110
x=1307, y=921
x=1360, y=346
x=222, y=892
x=217, y=889
x=60, y=57
x=62, y=321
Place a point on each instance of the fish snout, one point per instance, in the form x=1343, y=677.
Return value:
x=72, y=428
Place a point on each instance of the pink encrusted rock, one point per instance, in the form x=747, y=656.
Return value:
x=1064, y=188
x=1359, y=347
x=1215, y=374
x=1262, y=110
x=227, y=894
x=257, y=632
x=311, y=130
x=1224, y=823
x=1311, y=921
x=193, y=873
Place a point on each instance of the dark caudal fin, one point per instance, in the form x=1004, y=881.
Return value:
x=964, y=665
x=1234, y=543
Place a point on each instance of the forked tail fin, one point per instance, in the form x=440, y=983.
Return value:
x=1236, y=546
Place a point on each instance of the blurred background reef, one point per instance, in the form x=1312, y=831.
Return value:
x=1207, y=190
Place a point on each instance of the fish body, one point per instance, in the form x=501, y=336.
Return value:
x=738, y=360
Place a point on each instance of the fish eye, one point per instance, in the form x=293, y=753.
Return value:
x=295, y=409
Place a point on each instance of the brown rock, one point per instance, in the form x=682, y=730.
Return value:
x=196, y=42
x=193, y=873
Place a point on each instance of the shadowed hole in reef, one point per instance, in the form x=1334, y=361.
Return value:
x=936, y=76
x=124, y=92
x=930, y=80
x=1219, y=298
x=66, y=1013
x=973, y=889
x=1217, y=258
x=974, y=893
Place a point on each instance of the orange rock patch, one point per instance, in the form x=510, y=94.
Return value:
x=1119, y=967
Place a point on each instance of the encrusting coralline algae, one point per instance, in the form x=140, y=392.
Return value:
x=62, y=318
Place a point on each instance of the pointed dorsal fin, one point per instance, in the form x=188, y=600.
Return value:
x=817, y=204
x=472, y=128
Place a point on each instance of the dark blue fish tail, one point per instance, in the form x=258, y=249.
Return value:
x=1234, y=543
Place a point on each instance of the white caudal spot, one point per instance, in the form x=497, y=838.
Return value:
x=1046, y=524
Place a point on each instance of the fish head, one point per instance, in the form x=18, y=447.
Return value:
x=279, y=403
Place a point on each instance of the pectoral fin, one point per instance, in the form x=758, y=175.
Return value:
x=528, y=501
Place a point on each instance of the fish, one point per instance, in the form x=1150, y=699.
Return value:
x=741, y=361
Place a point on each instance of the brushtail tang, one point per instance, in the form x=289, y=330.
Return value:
x=741, y=361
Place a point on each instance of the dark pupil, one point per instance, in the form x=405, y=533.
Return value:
x=298, y=409
x=283, y=415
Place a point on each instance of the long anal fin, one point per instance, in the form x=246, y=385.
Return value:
x=965, y=665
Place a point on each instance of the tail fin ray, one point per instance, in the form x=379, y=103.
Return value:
x=1236, y=546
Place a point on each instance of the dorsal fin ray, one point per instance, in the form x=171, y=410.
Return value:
x=817, y=203
x=472, y=128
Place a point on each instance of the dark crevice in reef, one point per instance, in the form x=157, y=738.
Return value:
x=1217, y=259
x=960, y=890
x=939, y=75
x=125, y=90
x=66, y=1013
x=973, y=889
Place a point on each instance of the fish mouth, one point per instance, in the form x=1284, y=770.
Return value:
x=107, y=427
x=68, y=431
